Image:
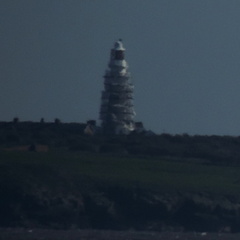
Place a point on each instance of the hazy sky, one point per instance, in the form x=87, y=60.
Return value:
x=184, y=57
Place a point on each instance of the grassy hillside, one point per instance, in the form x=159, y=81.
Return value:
x=64, y=189
x=54, y=176
x=152, y=173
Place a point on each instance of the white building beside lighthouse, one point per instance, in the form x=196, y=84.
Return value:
x=117, y=112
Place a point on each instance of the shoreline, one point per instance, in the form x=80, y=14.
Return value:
x=90, y=234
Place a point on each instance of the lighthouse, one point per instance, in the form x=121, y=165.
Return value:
x=117, y=110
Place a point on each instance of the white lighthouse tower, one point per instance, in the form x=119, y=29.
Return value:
x=117, y=112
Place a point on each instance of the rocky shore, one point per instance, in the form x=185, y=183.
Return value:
x=47, y=234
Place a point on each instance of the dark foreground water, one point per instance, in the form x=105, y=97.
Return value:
x=41, y=234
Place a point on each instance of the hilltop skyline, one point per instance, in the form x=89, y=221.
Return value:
x=184, y=58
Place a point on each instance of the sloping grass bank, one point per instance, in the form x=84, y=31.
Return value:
x=157, y=173
x=61, y=189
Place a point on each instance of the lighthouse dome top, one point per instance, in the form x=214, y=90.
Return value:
x=119, y=45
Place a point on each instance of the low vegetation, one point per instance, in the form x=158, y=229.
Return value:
x=54, y=176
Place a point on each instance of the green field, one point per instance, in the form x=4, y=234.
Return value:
x=158, y=173
x=65, y=189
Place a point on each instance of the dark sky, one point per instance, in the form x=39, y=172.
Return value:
x=184, y=57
